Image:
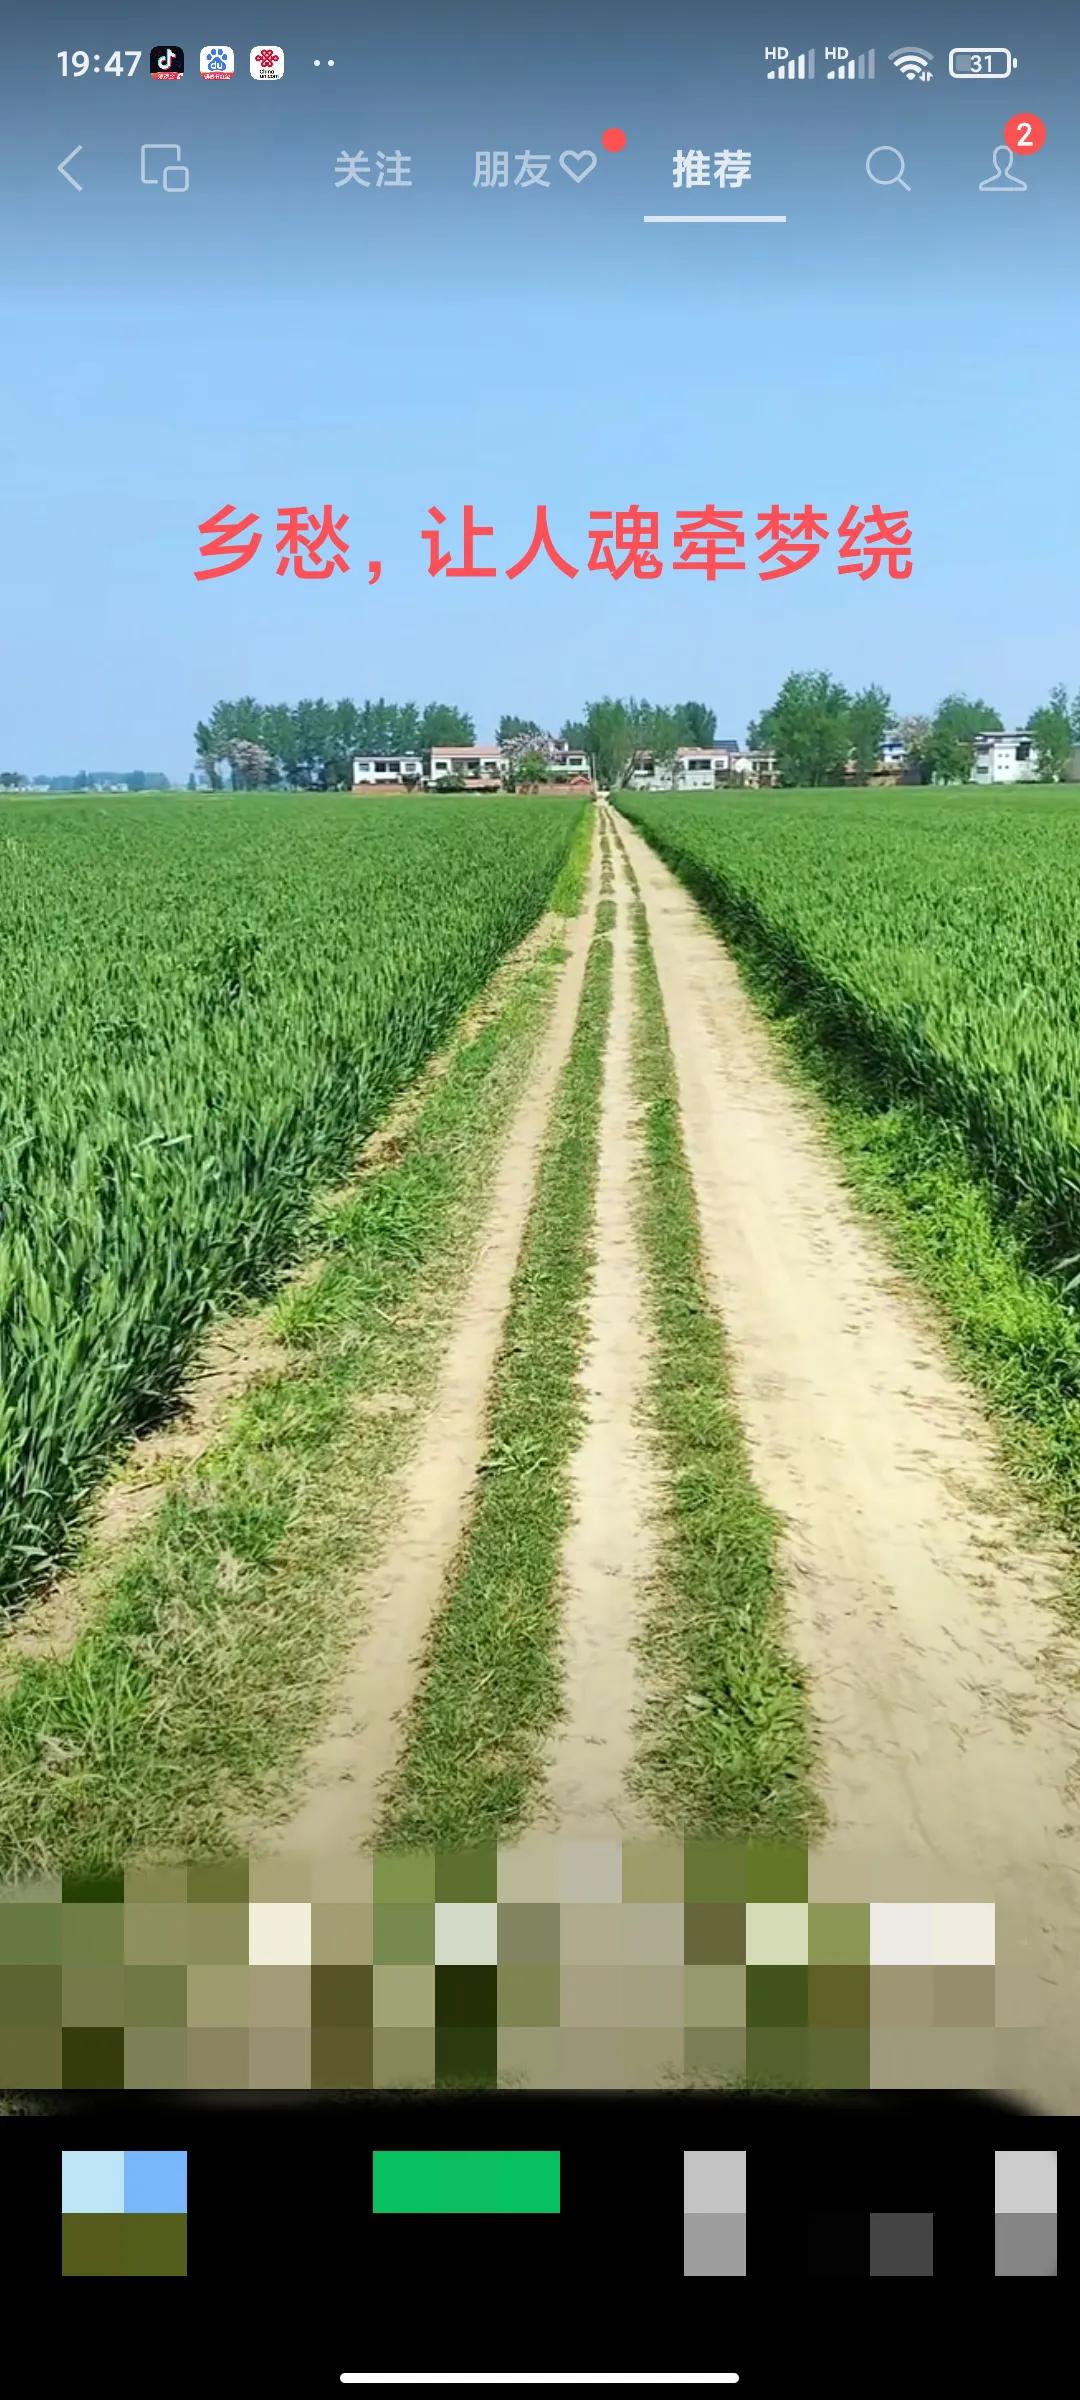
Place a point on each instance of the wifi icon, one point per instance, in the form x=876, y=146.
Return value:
x=913, y=63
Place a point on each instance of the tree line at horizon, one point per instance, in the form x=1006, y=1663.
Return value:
x=818, y=730
x=311, y=745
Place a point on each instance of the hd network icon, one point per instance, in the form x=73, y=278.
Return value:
x=267, y=63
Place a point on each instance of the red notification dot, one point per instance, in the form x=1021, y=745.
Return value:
x=1025, y=135
x=613, y=138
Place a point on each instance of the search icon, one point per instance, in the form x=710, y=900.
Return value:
x=885, y=150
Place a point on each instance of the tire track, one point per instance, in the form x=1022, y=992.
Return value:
x=356, y=1758
x=609, y=1556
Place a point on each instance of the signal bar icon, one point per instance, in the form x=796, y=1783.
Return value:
x=791, y=70
x=851, y=69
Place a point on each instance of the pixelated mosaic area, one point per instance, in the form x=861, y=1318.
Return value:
x=547, y=1963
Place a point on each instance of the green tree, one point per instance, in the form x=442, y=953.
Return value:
x=405, y=726
x=313, y=734
x=384, y=728
x=947, y=757
x=342, y=745
x=660, y=731
x=12, y=781
x=575, y=733
x=511, y=729
x=531, y=767
x=276, y=736
x=611, y=734
x=1051, y=731
x=809, y=727
x=697, y=723
x=957, y=714
x=961, y=718
x=208, y=754
x=869, y=715
x=443, y=725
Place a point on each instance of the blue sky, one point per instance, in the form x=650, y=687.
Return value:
x=265, y=339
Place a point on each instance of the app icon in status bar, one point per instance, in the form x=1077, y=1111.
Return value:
x=166, y=63
x=982, y=66
x=216, y=63
x=267, y=63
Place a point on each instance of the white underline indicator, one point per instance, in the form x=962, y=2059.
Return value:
x=683, y=219
x=576, y=2379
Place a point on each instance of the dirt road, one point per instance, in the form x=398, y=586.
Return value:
x=920, y=1604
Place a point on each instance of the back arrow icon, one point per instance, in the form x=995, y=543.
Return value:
x=65, y=163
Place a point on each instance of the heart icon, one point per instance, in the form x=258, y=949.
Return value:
x=577, y=164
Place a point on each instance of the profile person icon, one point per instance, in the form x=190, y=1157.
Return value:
x=1003, y=178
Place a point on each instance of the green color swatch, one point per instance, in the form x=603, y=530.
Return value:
x=466, y=2183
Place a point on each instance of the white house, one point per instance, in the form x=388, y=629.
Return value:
x=702, y=767
x=485, y=767
x=560, y=759
x=699, y=767
x=1005, y=758
x=407, y=767
x=755, y=766
x=483, y=764
x=646, y=775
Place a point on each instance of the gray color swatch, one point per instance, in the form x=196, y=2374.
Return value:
x=1025, y=2183
x=714, y=2183
x=902, y=2244
x=1025, y=2245
x=714, y=2245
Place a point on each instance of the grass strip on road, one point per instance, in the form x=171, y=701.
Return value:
x=491, y=1687
x=189, y=1698
x=725, y=1740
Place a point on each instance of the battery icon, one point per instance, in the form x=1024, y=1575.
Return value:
x=982, y=66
